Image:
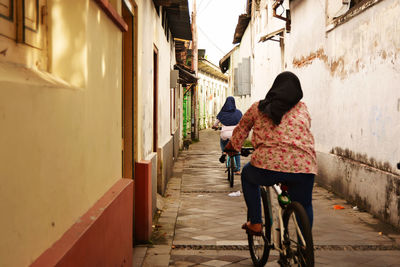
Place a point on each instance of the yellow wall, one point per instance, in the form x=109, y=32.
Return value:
x=60, y=140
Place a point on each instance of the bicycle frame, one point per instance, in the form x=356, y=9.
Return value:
x=230, y=159
x=278, y=243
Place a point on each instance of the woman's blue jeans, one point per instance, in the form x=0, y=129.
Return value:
x=300, y=189
x=223, y=143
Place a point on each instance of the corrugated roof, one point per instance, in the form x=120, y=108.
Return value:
x=186, y=75
x=178, y=17
x=210, y=68
x=243, y=22
x=225, y=62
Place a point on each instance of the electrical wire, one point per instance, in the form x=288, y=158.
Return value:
x=200, y=4
x=211, y=41
x=209, y=1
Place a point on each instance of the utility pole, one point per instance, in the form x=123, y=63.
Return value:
x=194, y=123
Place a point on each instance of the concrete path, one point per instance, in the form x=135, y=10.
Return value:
x=199, y=224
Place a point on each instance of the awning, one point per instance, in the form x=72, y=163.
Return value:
x=186, y=76
x=243, y=21
x=208, y=67
x=271, y=35
x=225, y=62
x=178, y=17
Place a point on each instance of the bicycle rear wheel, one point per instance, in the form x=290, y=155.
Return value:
x=231, y=176
x=260, y=246
x=298, y=239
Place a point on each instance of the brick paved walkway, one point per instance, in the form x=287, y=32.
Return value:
x=200, y=224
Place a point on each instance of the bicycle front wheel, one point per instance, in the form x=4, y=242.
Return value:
x=230, y=171
x=260, y=246
x=298, y=239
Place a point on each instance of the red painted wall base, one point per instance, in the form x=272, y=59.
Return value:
x=143, y=202
x=102, y=237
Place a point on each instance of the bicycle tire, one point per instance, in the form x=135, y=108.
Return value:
x=295, y=251
x=258, y=246
x=230, y=168
x=232, y=175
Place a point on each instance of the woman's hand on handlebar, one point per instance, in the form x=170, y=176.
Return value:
x=230, y=150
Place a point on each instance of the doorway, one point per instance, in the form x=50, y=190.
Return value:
x=155, y=99
x=128, y=81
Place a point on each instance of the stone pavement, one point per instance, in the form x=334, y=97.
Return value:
x=199, y=224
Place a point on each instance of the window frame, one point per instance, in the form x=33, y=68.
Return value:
x=351, y=13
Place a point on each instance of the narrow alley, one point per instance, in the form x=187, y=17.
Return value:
x=199, y=224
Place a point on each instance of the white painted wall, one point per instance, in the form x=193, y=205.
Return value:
x=349, y=75
x=212, y=95
x=244, y=50
x=267, y=55
x=151, y=34
x=354, y=99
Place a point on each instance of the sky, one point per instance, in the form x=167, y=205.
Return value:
x=216, y=23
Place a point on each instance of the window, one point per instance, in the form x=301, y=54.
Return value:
x=242, y=78
x=7, y=19
x=354, y=3
x=24, y=22
x=341, y=12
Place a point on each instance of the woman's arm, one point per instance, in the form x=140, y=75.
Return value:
x=215, y=124
x=242, y=130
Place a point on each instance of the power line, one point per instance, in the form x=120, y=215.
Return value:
x=200, y=4
x=209, y=1
x=211, y=41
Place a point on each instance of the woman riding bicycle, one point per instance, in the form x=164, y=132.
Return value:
x=284, y=147
x=229, y=117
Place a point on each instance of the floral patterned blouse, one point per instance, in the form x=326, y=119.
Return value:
x=287, y=147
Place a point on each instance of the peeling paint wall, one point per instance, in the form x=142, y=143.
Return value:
x=349, y=68
x=267, y=55
x=212, y=95
x=351, y=73
x=151, y=34
x=243, y=51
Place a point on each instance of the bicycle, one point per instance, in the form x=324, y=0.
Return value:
x=230, y=168
x=230, y=164
x=292, y=237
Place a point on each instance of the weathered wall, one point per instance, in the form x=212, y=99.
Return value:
x=356, y=86
x=153, y=159
x=243, y=51
x=164, y=165
x=349, y=75
x=60, y=140
x=212, y=95
x=349, y=70
x=151, y=35
x=267, y=55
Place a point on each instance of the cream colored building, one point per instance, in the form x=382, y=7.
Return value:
x=213, y=90
x=86, y=106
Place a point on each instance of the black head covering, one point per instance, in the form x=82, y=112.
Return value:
x=284, y=94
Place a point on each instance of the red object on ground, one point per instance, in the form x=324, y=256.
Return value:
x=338, y=207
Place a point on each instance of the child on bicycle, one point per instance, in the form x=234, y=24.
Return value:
x=229, y=117
x=284, y=147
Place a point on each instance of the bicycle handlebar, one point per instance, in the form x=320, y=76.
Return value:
x=245, y=151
